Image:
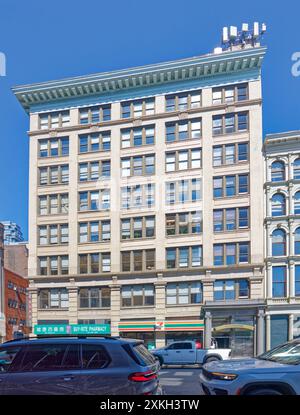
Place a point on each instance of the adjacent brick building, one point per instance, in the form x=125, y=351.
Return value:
x=15, y=291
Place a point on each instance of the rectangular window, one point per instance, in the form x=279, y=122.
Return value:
x=54, y=147
x=230, y=94
x=183, y=101
x=183, y=130
x=138, y=260
x=297, y=280
x=139, y=136
x=94, y=297
x=54, y=120
x=94, y=114
x=230, y=123
x=218, y=187
x=218, y=220
x=279, y=278
x=137, y=295
x=94, y=142
x=139, y=108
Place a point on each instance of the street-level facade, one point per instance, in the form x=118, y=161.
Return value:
x=145, y=200
x=282, y=230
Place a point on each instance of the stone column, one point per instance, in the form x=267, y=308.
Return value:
x=208, y=287
x=115, y=305
x=260, y=332
x=291, y=279
x=160, y=308
x=290, y=251
x=291, y=326
x=268, y=332
x=268, y=207
x=73, y=302
x=290, y=206
x=207, y=329
x=269, y=280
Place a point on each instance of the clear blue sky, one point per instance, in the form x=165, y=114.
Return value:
x=46, y=40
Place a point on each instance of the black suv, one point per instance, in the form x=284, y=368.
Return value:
x=77, y=365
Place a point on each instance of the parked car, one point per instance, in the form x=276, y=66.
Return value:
x=77, y=365
x=188, y=353
x=276, y=372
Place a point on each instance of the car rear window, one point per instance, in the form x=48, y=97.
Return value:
x=94, y=356
x=144, y=355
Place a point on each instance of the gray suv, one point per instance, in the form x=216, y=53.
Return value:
x=276, y=372
x=77, y=366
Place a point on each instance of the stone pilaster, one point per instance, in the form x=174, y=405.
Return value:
x=115, y=305
x=73, y=302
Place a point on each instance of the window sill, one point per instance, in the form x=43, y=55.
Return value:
x=185, y=305
x=150, y=238
x=54, y=309
x=239, y=196
x=239, y=163
x=93, y=308
x=92, y=152
x=137, y=307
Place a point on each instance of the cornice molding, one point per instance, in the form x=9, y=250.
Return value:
x=199, y=67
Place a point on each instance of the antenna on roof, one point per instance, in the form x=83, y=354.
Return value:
x=233, y=39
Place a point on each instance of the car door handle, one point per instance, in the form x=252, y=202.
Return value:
x=67, y=378
x=178, y=351
x=192, y=351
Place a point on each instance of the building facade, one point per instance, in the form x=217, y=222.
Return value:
x=145, y=210
x=282, y=230
x=12, y=233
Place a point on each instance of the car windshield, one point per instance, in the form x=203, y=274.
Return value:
x=288, y=353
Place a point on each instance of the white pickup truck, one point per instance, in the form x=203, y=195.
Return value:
x=189, y=353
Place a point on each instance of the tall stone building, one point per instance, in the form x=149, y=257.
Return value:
x=145, y=201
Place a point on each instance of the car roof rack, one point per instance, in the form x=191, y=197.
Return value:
x=64, y=336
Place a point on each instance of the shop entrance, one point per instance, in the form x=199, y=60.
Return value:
x=238, y=338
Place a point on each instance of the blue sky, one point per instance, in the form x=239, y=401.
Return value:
x=45, y=40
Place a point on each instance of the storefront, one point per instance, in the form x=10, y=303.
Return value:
x=238, y=325
x=282, y=324
x=160, y=333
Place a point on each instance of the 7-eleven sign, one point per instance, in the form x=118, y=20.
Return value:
x=159, y=325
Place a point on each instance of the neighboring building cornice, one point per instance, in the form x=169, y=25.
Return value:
x=282, y=138
x=196, y=68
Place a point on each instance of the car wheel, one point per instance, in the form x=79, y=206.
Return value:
x=211, y=359
x=263, y=391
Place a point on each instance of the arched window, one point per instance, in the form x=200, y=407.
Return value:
x=297, y=241
x=296, y=168
x=297, y=203
x=277, y=171
x=278, y=204
x=278, y=242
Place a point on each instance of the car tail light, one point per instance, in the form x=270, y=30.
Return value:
x=142, y=376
